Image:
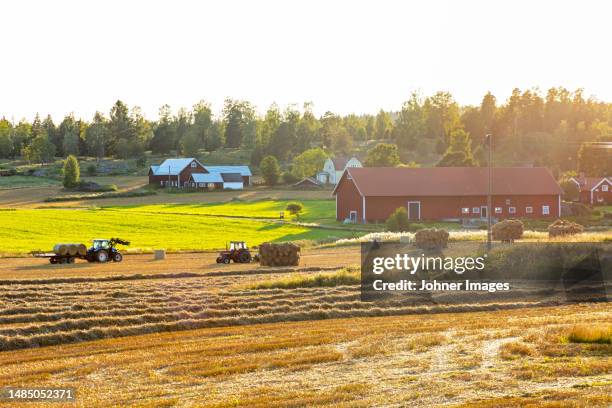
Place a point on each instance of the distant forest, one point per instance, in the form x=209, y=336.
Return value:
x=562, y=130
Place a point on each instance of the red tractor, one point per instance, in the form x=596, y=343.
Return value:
x=237, y=252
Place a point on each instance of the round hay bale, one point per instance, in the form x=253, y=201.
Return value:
x=60, y=249
x=73, y=249
x=81, y=250
x=508, y=230
x=159, y=254
x=431, y=238
x=564, y=227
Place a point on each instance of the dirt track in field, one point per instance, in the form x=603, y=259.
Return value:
x=33, y=268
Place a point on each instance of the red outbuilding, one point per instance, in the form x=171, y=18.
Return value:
x=446, y=193
x=594, y=190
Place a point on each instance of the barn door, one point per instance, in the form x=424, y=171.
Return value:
x=414, y=210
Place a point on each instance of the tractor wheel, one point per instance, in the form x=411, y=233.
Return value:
x=102, y=256
x=219, y=259
x=52, y=260
x=117, y=257
x=226, y=260
x=244, y=257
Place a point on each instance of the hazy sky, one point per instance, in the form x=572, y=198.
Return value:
x=354, y=56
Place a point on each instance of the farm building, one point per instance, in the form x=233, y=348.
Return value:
x=307, y=183
x=190, y=173
x=594, y=190
x=446, y=193
x=334, y=167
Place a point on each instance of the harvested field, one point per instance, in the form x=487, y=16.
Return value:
x=453, y=359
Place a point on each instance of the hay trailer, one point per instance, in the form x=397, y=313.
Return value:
x=102, y=250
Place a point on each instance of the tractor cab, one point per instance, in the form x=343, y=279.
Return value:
x=237, y=245
x=100, y=244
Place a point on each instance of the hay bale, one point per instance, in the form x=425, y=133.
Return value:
x=508, y=230
x=71, y=249
x=82, y=250
x=564, y=227
x=60, y=249
x=285, y=254
x=159, y=254
x=431, y=238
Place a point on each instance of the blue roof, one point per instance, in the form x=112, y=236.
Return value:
x=243, y=170
x=207, y=177
x=172, y=167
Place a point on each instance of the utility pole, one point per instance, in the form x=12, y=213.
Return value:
x=489, y=141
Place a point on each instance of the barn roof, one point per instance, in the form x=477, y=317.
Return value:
x=172, y=167
x=232, y=177
x=207, y=177
x=242, y=170
x=451, y=181
x=339, y=163
x=589, y=183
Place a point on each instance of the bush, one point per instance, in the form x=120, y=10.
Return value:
x=295, y=208
x=92, y=170
x=72, y=172
x=508, y=230
x=398, y=221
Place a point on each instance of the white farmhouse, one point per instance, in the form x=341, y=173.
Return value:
x=334, y=167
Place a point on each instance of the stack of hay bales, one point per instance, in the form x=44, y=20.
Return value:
x=508, y=230
x=431, y=238
x=564, y=227
x=286, y=254
x=70, y=249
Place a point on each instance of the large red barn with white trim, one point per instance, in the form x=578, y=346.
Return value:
x=446, y=193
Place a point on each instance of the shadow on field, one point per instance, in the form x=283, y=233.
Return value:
x=51, y=266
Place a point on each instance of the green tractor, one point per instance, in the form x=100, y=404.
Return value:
x=104, y=250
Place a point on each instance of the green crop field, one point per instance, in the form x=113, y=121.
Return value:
x=174, y=227
x=26, y=181
x=314, y=210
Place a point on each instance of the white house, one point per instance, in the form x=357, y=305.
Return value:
x=334, y=167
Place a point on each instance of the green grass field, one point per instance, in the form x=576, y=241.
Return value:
x=314, y=210
x=26, y=181
x=174, y=227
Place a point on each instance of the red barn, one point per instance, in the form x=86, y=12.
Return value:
x=190, y=173
x=594, y=190
x=446, y=193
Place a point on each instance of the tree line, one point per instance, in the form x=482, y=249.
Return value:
x=558, y=129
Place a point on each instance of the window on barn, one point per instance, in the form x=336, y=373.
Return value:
x=193, y=165
x=529, y=210
x=476, y=210
x=512, y=210
x=508, y=201
x=465, y=210
x=498, y=210
x=604, y=187
x=545, y=210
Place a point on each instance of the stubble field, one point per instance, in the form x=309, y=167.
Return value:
x=188, y=332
